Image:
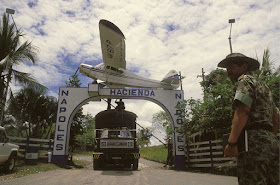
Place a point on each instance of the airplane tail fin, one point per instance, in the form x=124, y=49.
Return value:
x=112, y=44
x=172, y=78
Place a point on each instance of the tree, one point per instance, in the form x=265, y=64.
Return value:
x=270, y=76
x=86, y=140
x=74, y=81
x=192, y=114
x=76, y=125
x=12, y=54
x=217, y=105
x=143, y=137
x=161, y=121
x=212, y=115
x=34, y=111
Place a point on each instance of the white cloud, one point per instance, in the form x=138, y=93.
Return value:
x=94, y=107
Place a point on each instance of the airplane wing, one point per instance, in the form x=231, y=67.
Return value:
x=112, y=45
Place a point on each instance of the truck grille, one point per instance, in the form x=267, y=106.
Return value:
x=116, y=144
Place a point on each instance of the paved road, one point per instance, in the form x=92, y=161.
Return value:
x=149, y=173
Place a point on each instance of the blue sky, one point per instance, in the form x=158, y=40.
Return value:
x=160, y=36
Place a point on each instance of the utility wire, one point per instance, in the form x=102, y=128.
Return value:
x=152, y=134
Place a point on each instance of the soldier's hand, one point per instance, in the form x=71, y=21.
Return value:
x=231, y=151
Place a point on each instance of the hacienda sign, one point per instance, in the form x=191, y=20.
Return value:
x=71, y=99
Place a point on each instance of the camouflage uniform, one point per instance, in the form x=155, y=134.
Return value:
x=260, y=165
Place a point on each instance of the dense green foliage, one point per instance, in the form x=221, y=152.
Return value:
x=143, y=137
x=35, y=113
x=216, y=108
x=85, y=140
x=154, y=153
x=161, y=122
x=270, y=76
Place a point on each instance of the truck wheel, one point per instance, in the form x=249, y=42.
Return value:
x=10, y=164
x=96, y=164
x=135, y=166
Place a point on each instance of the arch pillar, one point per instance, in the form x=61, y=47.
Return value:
x=71, y=99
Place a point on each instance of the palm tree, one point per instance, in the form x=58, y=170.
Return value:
x=266, y=68
x=270, y=76
x=12, y=54
x=34, y=111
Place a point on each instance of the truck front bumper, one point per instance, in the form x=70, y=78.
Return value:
x=117, y=158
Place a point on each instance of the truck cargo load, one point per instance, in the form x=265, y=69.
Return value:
x=115, y=139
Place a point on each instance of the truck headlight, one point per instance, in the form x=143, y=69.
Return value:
x=103, y=143
x=130, y=144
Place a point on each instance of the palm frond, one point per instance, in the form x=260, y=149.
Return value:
x=4, y=62
x=9, y=41
x=27, y=80
x=267, y=64
x=26, y=52
x=9, y=38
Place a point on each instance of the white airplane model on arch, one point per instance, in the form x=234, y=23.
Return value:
x=113, y=69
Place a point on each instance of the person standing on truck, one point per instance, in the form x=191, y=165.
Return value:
x=120, y=105
x=254, y=111
x=169, y=160
x=109, y=104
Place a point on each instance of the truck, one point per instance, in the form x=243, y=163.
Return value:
x=8, y=152
x=115, y=139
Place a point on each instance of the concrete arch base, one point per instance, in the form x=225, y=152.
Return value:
x=71, y=99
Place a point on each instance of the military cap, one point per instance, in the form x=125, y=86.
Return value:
x=238, y=57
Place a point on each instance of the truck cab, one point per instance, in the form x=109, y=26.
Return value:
x=115, y=141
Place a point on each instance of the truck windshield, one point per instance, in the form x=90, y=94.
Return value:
x=116, y=134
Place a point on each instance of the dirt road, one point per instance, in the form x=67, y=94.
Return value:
x=149, y=173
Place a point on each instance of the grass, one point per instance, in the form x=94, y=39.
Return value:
x=79, y=164
x=159, y=154
x=83, y=153
x=154, y=153
x=23, y=169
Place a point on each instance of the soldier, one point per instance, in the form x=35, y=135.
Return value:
x=169, y=160
x=254, y=111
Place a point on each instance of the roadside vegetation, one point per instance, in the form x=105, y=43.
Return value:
x=154, y=153
x=24, y=169
x=83, y=153
x=159, y=154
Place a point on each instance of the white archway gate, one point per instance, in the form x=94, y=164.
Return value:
x=71, y=99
